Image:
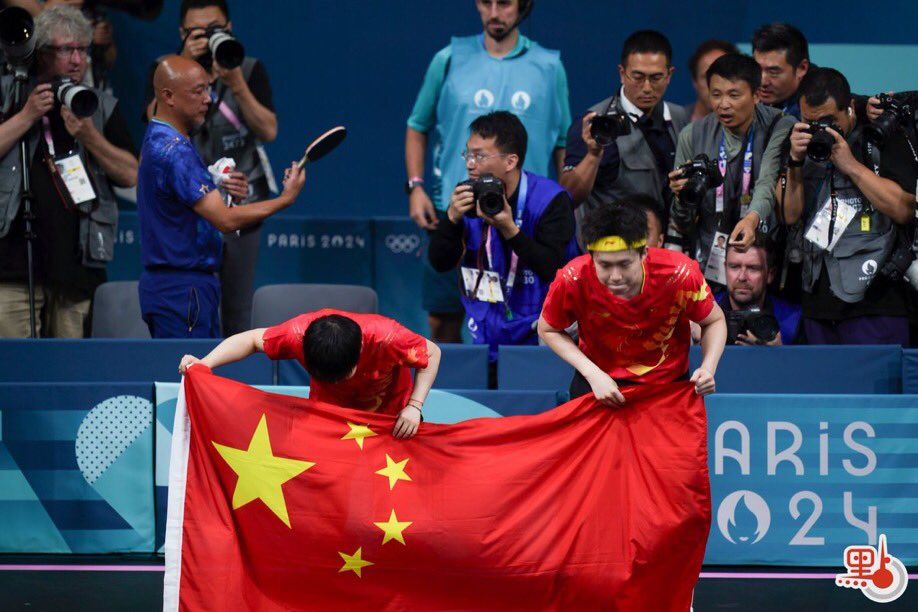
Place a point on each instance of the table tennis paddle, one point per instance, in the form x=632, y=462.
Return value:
x=323, y=145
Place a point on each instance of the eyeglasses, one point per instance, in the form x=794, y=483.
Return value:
x=66, y=51
x=477, y=158
x=639, y=77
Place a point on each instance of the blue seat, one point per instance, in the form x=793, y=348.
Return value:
x=531, y=368
x=910, y=371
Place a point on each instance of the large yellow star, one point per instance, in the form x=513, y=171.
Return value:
x=358, y=433
x=393, y=528
x=261, y=473
x=354, y=562
x=394, y=471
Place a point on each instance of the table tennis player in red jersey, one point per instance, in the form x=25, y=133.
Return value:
x=632, y=305
x=361, y=361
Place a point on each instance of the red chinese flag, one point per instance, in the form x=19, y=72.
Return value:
x=282, y=503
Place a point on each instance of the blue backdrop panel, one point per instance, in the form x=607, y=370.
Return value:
x=787, y=369
x=808, y=369
x=910, y=371
x=126, y=263
x=322, y=78
x=304, y=250
x=399, y=249
x=461, y=367
x=76, y=466
x=797, y=478
x=114, y=361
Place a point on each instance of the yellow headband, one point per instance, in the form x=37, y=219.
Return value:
x=611, y=244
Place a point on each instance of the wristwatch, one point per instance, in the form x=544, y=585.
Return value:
x=410, y=184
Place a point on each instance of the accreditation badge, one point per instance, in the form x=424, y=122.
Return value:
x=482, y=285
x=715, y=268
x=75, y=178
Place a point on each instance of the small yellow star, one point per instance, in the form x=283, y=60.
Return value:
x=393, y=528
x=354, y=563
x=261, y=473
x=358, y=433
x=394, y=471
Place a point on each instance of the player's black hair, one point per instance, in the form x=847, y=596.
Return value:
x=626, y=219
x=331, y=347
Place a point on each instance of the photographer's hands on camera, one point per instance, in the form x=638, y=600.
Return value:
x=41, y=101
x=842, y=157
x=593, y=148
x=196, y=45
x=463, y=200
x=748, y=339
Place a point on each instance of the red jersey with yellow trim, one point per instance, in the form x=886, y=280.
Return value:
x=382, y=382
x=644, y=339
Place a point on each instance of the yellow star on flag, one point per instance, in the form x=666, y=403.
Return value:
x=261, y=473
x=393, y=528
x=358, y=433
x=394, y=471
x=354, y=563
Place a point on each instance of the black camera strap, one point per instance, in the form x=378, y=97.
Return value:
x=833, y=197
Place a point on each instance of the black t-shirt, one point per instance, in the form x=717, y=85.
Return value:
x=56, y=248
x=883, y=297
x=258, y=83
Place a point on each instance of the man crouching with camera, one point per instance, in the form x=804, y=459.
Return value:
x=509, y=231
x=755, y=316
x=79, y=148
x=850, y=196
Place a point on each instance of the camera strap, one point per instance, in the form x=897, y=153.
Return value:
x=745, y=199
x=522, y=194
x=833, y=197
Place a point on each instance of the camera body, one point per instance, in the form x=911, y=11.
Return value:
x=702, y=174
x=605, y=128
x=763, y=325
x=895, y=114
x=222, y=46
x=489, y=195
x=81, y=100
x=820, y=147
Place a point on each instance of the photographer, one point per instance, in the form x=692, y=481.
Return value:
x=783, y=54
x=698, y=64
x=748, y=303
x=509, y=241
x=850, y=197
x=498, y=69
x=729, y=191
x=74, y=219
x=626, y=143
x=241, y=117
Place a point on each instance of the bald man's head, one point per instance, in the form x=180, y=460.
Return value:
x=182, y=91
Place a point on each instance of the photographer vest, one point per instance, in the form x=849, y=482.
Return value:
x=512, y=322
x=707, y=135
x=224, y=134
x=477, y=84
x=97, y=229
x=638, y=171
x=864, y=245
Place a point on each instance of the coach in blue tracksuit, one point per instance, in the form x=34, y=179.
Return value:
x=507, y=259
x=182, y=213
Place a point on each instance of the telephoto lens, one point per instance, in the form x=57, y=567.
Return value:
x=82, y=101
x=17, y=37
x=224, y=47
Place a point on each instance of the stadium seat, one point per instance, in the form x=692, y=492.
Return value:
x=273, y=304
x=116, y=311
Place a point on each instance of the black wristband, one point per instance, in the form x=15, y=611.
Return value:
x=793, y=163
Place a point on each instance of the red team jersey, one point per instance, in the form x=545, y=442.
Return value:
x=382, y=382
x=644, y=339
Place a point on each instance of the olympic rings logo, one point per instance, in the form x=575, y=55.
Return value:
x=403, y=243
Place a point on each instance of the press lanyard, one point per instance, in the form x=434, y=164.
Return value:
x=48, y=139
x=722, y=166
x=522, y=192
x=231, y=116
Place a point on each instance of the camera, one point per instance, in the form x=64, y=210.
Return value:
x=605, y=128
x=17, y=38
x=763, y=325
x=895, y=114
x=820, y=147
x=224, y=47
x=702, y=174
x=82, y=101
x=489, y=195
